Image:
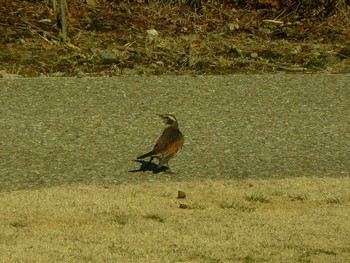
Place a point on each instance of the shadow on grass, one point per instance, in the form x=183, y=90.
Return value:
x=149, y=166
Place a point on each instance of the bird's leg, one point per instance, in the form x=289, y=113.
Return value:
x=150, y=161
x=164, y=163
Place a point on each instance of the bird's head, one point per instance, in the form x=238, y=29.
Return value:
x=168, y=119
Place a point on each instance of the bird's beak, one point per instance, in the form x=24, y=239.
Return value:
x=160, y=115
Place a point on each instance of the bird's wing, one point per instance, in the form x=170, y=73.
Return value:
x=168, y=137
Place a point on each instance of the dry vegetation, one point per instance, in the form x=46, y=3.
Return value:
x=108, y=37
x=285, y=220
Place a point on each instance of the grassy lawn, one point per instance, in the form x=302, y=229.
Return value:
x=249, y=220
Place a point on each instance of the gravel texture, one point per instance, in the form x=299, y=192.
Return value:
x=59, y=131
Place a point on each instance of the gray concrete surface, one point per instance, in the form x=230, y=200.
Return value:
x=59, y=131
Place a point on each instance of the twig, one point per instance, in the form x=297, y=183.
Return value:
x=143, y=52
x=292, y=12
x=217, y=9
x=44, y=33
x=293, y=69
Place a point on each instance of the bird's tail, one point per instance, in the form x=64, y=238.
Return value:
x=146, y=155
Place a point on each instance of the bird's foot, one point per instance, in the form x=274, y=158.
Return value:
x=165, y=169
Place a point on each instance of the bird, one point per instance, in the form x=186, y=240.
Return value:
x=168, y=144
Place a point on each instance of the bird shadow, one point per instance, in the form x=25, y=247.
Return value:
x=149, y=166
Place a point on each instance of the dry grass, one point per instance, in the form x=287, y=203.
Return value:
x=252, y=220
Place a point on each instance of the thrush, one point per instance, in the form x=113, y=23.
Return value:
x=168, y=143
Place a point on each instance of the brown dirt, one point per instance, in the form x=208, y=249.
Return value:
x=112, y=38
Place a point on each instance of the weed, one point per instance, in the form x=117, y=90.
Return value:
x=155, y=217
x=256, y=198
x=120, y=219
x=297, y=197
x=18, y=224
x=237, y=207
x=333, y=200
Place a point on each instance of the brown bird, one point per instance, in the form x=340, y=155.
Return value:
x=168, y=143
